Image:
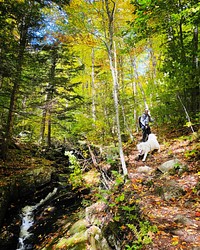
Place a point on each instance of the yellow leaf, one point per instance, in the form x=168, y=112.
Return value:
x=175, y=240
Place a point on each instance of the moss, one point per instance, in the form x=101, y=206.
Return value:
x=76, y=242
x=78, y=227
x=92, y=177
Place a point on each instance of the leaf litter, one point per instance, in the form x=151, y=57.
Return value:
x=177, y=218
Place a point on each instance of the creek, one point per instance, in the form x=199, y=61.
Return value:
x=51, y=209
x=28, y=221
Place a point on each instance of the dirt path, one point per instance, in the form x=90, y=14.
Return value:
x=171, y=201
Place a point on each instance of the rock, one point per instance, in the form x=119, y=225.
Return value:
x=95, y=213
x=31, y=180
x=4, y=201
x=169, y=191
x=144, y=169
x=92, y=177
x=78, y=240
x=78, y=227
x=21, y=185
x=82, y=234
x=183, y=220
x=96, y=240
x=169, y=165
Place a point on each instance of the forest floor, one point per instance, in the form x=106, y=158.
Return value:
x=176, y=214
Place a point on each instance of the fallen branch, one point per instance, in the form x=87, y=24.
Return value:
x=92, y=156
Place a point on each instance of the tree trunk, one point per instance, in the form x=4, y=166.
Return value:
x=93, y=89
x=196, y=89
x=134, y=88
x=49, y=130
x=187, y=115
x=42, y=129
x=14, y=93
x=127, y=128
x=116, y=103
x=113, y=67
x=50, y=94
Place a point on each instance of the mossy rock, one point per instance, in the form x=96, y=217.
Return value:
x=78, y=227
x=75, y=242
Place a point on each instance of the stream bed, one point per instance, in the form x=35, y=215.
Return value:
x=28, y=222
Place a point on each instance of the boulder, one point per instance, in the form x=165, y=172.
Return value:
x=21, y=185
x=83, y=238
x=171, y=190
x=145, y=169
x=169, y=165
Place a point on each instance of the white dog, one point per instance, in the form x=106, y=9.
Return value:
x=145, y=147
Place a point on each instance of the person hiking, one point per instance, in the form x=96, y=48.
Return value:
x=144, y=121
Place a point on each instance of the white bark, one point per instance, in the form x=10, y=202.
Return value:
x=187, y=115
x=113, y=68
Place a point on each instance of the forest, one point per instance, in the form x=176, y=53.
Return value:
x=78, y=74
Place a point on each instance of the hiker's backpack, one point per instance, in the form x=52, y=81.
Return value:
x=139, y=121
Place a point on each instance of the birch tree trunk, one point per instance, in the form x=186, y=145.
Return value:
x=113, y=67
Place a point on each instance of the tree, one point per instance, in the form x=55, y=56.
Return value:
x=21, y=20
x=99, y=19
x=110, y=44
x=23, y=16
x=59, y=95
x=172, y=22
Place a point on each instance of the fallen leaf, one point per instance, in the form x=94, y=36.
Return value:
x=197, y=214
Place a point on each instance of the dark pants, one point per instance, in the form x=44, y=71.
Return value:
x=145, y=133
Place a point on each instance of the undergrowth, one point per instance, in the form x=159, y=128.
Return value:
x=127, y=226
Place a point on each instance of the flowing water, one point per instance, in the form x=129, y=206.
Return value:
x=27, y=215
